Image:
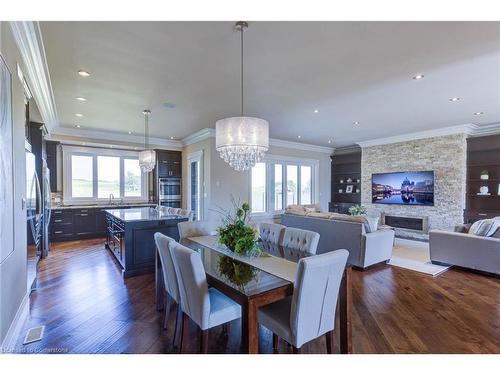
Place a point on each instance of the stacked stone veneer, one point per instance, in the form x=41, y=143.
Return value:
x=445, y=155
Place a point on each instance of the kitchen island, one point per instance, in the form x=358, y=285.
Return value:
x=130, y=236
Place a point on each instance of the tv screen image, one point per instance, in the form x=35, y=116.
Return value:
x=406, y=188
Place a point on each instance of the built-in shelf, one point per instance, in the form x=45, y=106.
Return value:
x=344, y=166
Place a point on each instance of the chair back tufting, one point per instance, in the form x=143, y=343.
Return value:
x=300, y=239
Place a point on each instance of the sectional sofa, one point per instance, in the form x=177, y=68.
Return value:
x=367, y=245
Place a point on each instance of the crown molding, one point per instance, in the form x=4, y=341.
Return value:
x=29, y=40
x=198, y=136
x=206, y=133
x=97, y=137
x=468, y=129
x=486, y=130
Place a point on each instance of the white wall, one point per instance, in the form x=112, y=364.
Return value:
x=13, y=268
x=222, y=182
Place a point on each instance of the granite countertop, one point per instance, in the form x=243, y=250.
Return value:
x=141, y=214
x=102, y=205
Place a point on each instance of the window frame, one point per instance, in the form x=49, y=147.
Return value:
x=196, y=157
x=69, y=150
x=270, y=161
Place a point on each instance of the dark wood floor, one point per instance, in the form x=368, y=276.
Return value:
x=88, y=308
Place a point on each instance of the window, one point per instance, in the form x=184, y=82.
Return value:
x=82, y=172
x=305, y=184
x=108, y=176
x=280, y=181
x=259, y=187
x=292, y=183
x=195, y=184
x=91, y=174
x=278, y=187
x=132, y=176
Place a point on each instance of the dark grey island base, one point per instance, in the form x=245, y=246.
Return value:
x=130, y=237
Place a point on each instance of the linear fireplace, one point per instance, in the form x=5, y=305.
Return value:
x=414, y=224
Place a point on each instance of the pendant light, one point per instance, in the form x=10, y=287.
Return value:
x=147, y=158
x=241, y=141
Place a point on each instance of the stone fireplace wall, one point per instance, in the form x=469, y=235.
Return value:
x=445, y=155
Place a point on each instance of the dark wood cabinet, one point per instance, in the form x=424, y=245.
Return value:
x=483, y=154
x=84, y=222
x=51, y=151
x=169, y=164
x=346, y=180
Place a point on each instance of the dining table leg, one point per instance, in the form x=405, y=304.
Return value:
x=345, y=303
x=249, y=328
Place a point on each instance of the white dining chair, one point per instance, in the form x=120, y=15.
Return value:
x=163, y=244
x=207, y=307
x=310, y=312
x=300, y=239
x=194, y=229
x=271, y=232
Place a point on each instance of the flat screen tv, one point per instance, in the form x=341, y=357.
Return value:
x=406, y=188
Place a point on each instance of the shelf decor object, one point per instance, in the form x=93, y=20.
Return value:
x=242, y=141
x=484, y=175
x=147, y=157
x=348, y=189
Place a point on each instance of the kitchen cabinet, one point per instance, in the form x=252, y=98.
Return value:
x=51, y=151
x=169, y=164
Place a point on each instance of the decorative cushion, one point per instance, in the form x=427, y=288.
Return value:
x=373, y=222
x=322, y=215
x=485, y=228
x=296, y=212
x=363, y=219
x=295, y=207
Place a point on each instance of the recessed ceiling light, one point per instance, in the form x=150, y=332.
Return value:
x=455, y=99
x=78, y=126
x=171, y=137
x=329, y=141
x=83, y=73
x=356, y=122
x=111, y=146
x=316, y=111
x=129, y=132
x=418, y=77
x=478, y=113
x=81, y=99
x=78, y=115
x=299, y=136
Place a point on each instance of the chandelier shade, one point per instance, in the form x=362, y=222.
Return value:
x=147, y=160
x=242, y=141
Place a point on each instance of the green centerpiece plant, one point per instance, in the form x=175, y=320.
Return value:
x=236, y=233
x=357, y=210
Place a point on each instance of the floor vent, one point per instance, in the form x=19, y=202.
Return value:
x=34, y=334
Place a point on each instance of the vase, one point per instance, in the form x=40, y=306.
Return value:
x=484, y=177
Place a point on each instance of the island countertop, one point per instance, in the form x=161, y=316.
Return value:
x=141, y=214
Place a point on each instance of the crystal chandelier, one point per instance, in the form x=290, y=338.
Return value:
x=241, y=141
x=147, y=158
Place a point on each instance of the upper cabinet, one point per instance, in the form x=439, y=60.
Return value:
x=51, y=150
x=169, y=164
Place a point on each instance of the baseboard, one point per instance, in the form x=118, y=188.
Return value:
x=10, y=339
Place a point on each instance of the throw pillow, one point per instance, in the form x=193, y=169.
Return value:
x=484, y=228
x=310, y=209
x=373, y=221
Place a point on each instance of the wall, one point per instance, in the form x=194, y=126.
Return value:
x=445, y=155
x=222, y=182
x=13, y=289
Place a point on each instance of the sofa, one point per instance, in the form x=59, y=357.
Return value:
x=366, y=244
x=464, y=249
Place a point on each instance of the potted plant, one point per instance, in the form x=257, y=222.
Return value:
x=484, y=175
x=236, y=234
x=357, y=210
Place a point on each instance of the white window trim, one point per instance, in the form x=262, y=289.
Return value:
x=196, y=157
x=270, y=160
x=68, y=151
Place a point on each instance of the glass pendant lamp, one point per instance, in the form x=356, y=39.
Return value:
x=147, y=157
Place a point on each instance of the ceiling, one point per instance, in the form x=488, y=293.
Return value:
x=350, y=71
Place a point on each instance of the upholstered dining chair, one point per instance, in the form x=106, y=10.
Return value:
x=193, y=229
x=163, y=244
x=310, y=312
x=271, y=232
x=300, y=239
x=207, y=307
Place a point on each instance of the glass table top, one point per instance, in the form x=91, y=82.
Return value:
x=241, y=276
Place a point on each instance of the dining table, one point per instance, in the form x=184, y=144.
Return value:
x=255, y=281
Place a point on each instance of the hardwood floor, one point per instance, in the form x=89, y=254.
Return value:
x=87, y=307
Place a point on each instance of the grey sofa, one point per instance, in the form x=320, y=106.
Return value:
x=465, y=250
x=365, y=249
